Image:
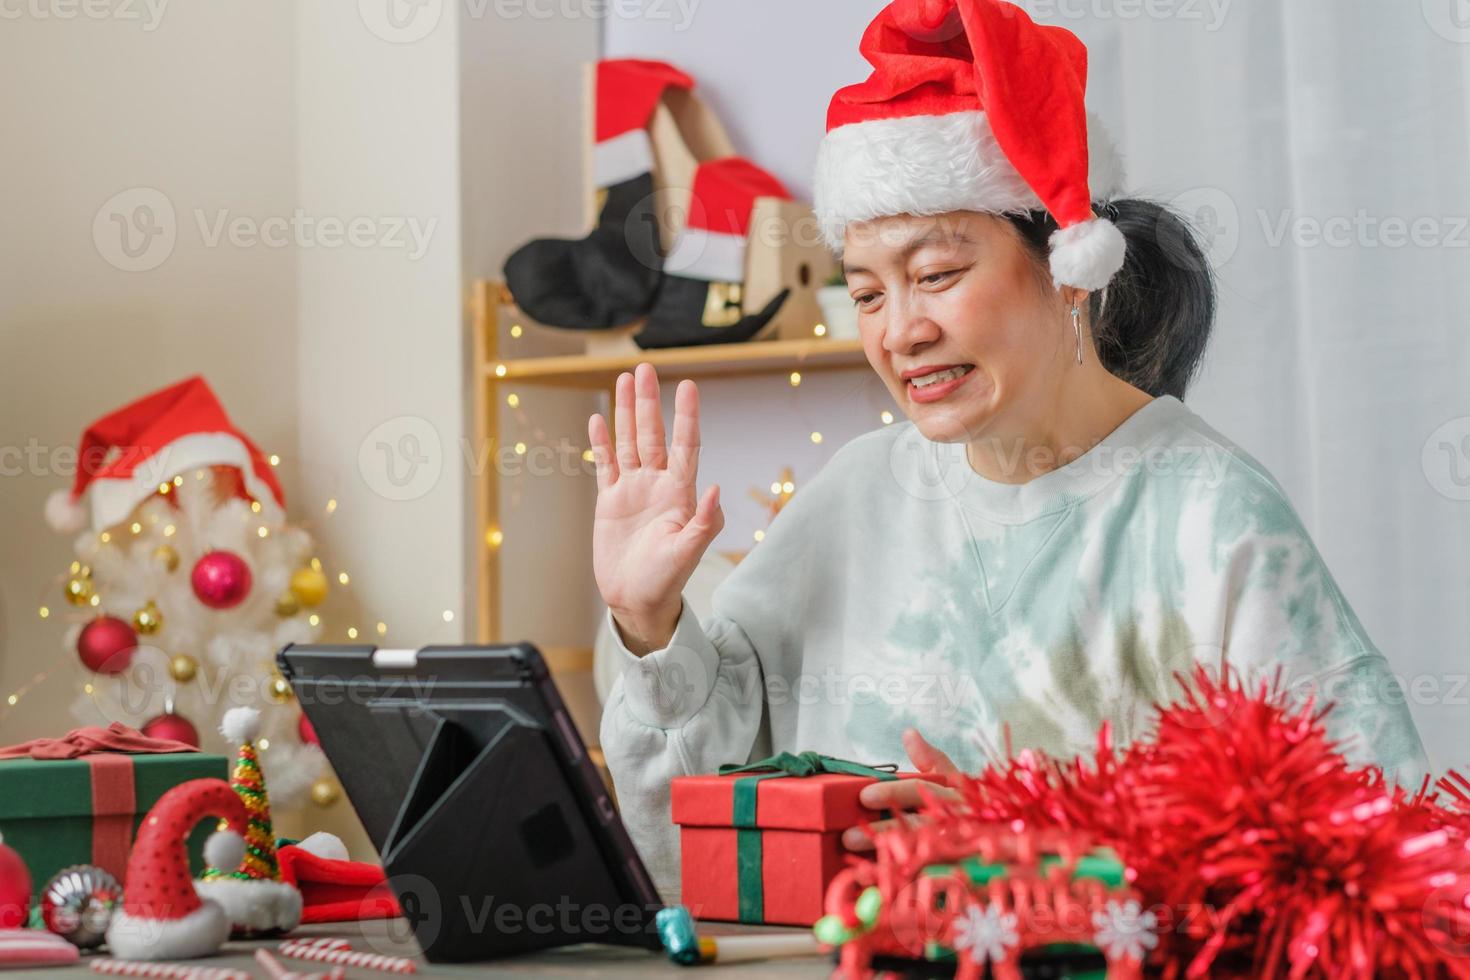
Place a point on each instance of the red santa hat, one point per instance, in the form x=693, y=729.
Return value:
x=126, y=455
x=163, y=917
x=712, y=243
x=972, y=106
x=628, y=92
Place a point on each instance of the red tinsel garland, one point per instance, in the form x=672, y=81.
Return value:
x=1260, y=848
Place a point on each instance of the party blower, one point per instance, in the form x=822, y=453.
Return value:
x=687, y=948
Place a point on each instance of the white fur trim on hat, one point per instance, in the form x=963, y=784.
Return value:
x=1087, y=255
x=65, y=514
x=199, y=933
x=255, y=906
x=932, y=165
x=113, y=498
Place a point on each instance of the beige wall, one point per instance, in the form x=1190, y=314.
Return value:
x=199, y=107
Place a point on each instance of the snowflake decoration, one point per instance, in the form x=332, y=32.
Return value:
x=1125, y=931
x=986, y=932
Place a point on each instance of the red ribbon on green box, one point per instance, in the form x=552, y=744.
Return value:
x=108, y=754
x=748, y=849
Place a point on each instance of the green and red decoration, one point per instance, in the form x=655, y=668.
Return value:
x=1249, y=846
x=252, y=892
x=79, y=799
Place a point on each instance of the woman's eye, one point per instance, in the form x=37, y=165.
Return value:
x=935, y=278
x=865, y=299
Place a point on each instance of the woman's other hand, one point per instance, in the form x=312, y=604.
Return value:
x=904, y=794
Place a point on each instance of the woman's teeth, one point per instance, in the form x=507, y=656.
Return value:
x=939, y=377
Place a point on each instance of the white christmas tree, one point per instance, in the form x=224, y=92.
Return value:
x=206, y=642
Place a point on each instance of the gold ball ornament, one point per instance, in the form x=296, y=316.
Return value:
x=278, y=689
x=324, y=792
x=149, y=619
x=167, y=556
x=287, y=606
x=183, y=668
x=309, y=586
x=79, y=588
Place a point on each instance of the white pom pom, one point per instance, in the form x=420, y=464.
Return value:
x=241, y=725
x=224, y=849
x=1087, y=255
x=325, y=845
x=64, y=514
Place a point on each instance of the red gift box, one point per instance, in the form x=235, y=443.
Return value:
x=761, y=844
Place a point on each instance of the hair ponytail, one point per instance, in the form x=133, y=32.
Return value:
x=1152, y=323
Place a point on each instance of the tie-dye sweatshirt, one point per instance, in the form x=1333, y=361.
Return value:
x=900, y=588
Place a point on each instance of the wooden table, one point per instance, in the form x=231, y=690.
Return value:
x=393, y=938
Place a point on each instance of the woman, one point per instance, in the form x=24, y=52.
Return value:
x=1046, y=542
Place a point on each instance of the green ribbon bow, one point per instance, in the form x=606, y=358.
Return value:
x=748, y=848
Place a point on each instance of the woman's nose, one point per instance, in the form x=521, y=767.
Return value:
x=909, y=327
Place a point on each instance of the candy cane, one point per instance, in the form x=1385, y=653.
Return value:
x=278, y=972
x=166, y=971
x=347, y=957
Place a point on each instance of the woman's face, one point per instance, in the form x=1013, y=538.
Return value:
x=955, y=319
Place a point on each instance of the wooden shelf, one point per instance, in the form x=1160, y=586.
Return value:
x=713, y=361
x=490, y=304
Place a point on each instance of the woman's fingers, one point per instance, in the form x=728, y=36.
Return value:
x=925, y=757
x=602, y=452
x=623, y=421
x=902, y=794
x=652, y=450
x=858, y=839
x=684, y=452
x=705, y=524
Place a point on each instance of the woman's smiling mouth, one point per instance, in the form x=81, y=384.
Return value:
x=933, y=383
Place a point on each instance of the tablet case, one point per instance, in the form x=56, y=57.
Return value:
x=496, y=832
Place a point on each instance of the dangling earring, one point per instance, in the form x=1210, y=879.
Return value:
x=1077, y=329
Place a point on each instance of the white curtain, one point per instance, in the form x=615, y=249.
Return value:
x=1325, y=145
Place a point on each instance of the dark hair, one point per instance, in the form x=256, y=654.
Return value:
x=1160, y=307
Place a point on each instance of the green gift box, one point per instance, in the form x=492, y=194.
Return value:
x=60, y=812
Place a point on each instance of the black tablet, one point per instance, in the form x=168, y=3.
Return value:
x=496, y=831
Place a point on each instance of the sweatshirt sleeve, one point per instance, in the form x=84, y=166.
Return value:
x=1284, y=609
x=686, y=709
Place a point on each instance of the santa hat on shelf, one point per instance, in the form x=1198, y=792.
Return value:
x=971, y=106
x=333, y=887
x=162, y=917
x=628, y=92
x=126, y=455
x=711, y=245
x=250, y=888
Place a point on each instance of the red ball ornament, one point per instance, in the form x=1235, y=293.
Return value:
x=171, y=726
x=15, y=890
x=107, y=644
x=221, y=579
x=307, y=731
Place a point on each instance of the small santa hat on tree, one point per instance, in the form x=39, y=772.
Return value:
x=972, y=106
x=126, y=455
x=163, y=917
x=250, y=888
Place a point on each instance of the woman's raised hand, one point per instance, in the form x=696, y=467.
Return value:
x=651, y=526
